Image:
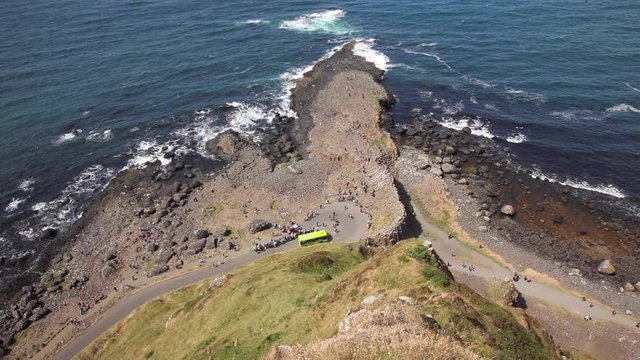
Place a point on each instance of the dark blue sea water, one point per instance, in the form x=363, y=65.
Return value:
x=89, y=87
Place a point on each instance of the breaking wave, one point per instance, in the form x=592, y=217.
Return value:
x=607, y=189
x=328, y=21
x=364, y=48
x=623, y=108
x=517, y=138
x=477, y=127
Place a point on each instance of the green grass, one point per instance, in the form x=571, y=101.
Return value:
x=300, y=296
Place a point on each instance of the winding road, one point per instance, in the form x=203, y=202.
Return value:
x=352, y=226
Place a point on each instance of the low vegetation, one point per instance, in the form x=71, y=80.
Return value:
x=301, y=296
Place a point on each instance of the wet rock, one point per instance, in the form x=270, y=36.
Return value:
x=606, y=268
x=508, y=210
x=48, y=233
x=157, y=270
x=201, y=233
x=258, y=225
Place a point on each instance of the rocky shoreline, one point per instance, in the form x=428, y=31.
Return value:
x=161, y=220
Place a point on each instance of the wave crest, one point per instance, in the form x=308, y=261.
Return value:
x=325, y=21
x=607, y=189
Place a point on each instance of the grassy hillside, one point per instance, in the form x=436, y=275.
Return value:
x=300, y=296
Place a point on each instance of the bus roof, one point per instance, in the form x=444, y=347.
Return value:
x=313, y=235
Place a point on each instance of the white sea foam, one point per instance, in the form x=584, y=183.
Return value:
x=146, y=151
x=580, y=184
x=255, y=21
x=492, y=107
x=364, y=48
x=63, y=210
x=522, y=95
x=517, y=138
x=477, y=82
x=473, y=100
x=577, y=114
x=328, y=21
x=432, y=44
x=290, y=78
x=68, y=137
x=97, y=136
x=245, y=116
x=623, y=108
x=435, y=56
x=26, y=184
x=477, y=127
x=632, y=87
x=14, y=205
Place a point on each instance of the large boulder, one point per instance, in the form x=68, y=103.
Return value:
x=225, y=146
x=157, y=270
x=198, y=245
x=165, y=255
x=258, y=225
x=201, y=233
x=448, y=168
x=606, y=268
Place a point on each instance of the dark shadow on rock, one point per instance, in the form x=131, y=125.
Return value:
x=412, y=227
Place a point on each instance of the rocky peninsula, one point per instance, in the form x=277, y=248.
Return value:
x=159, y=222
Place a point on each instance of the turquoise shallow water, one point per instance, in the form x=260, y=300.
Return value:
x=87, y=88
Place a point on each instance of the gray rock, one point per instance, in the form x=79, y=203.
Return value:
x=157, y=270
x=39, y=313
x=152, y=247
x=436, y=171
x=32, y=304
x=258, y=225
x=369, y=300
x=107, y=270
x=165, y=255
x=197, y=245
x=448, y=168
x=212, y=242
x=59, y=275
x=21, y=325
x=637, y=286
x=201, y=233
x=111, y=254
x=218, y=282
x=508, y=210
x=450, y=150
x=406, y=300
x=628, y=287
x=606, y=268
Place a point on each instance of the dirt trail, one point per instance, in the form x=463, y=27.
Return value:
x=559, y=304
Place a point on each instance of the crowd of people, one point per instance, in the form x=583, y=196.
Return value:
x=282, y=235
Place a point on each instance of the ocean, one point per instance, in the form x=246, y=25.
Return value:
x=90, y=88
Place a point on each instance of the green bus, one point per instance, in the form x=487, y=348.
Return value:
x=313, y=237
